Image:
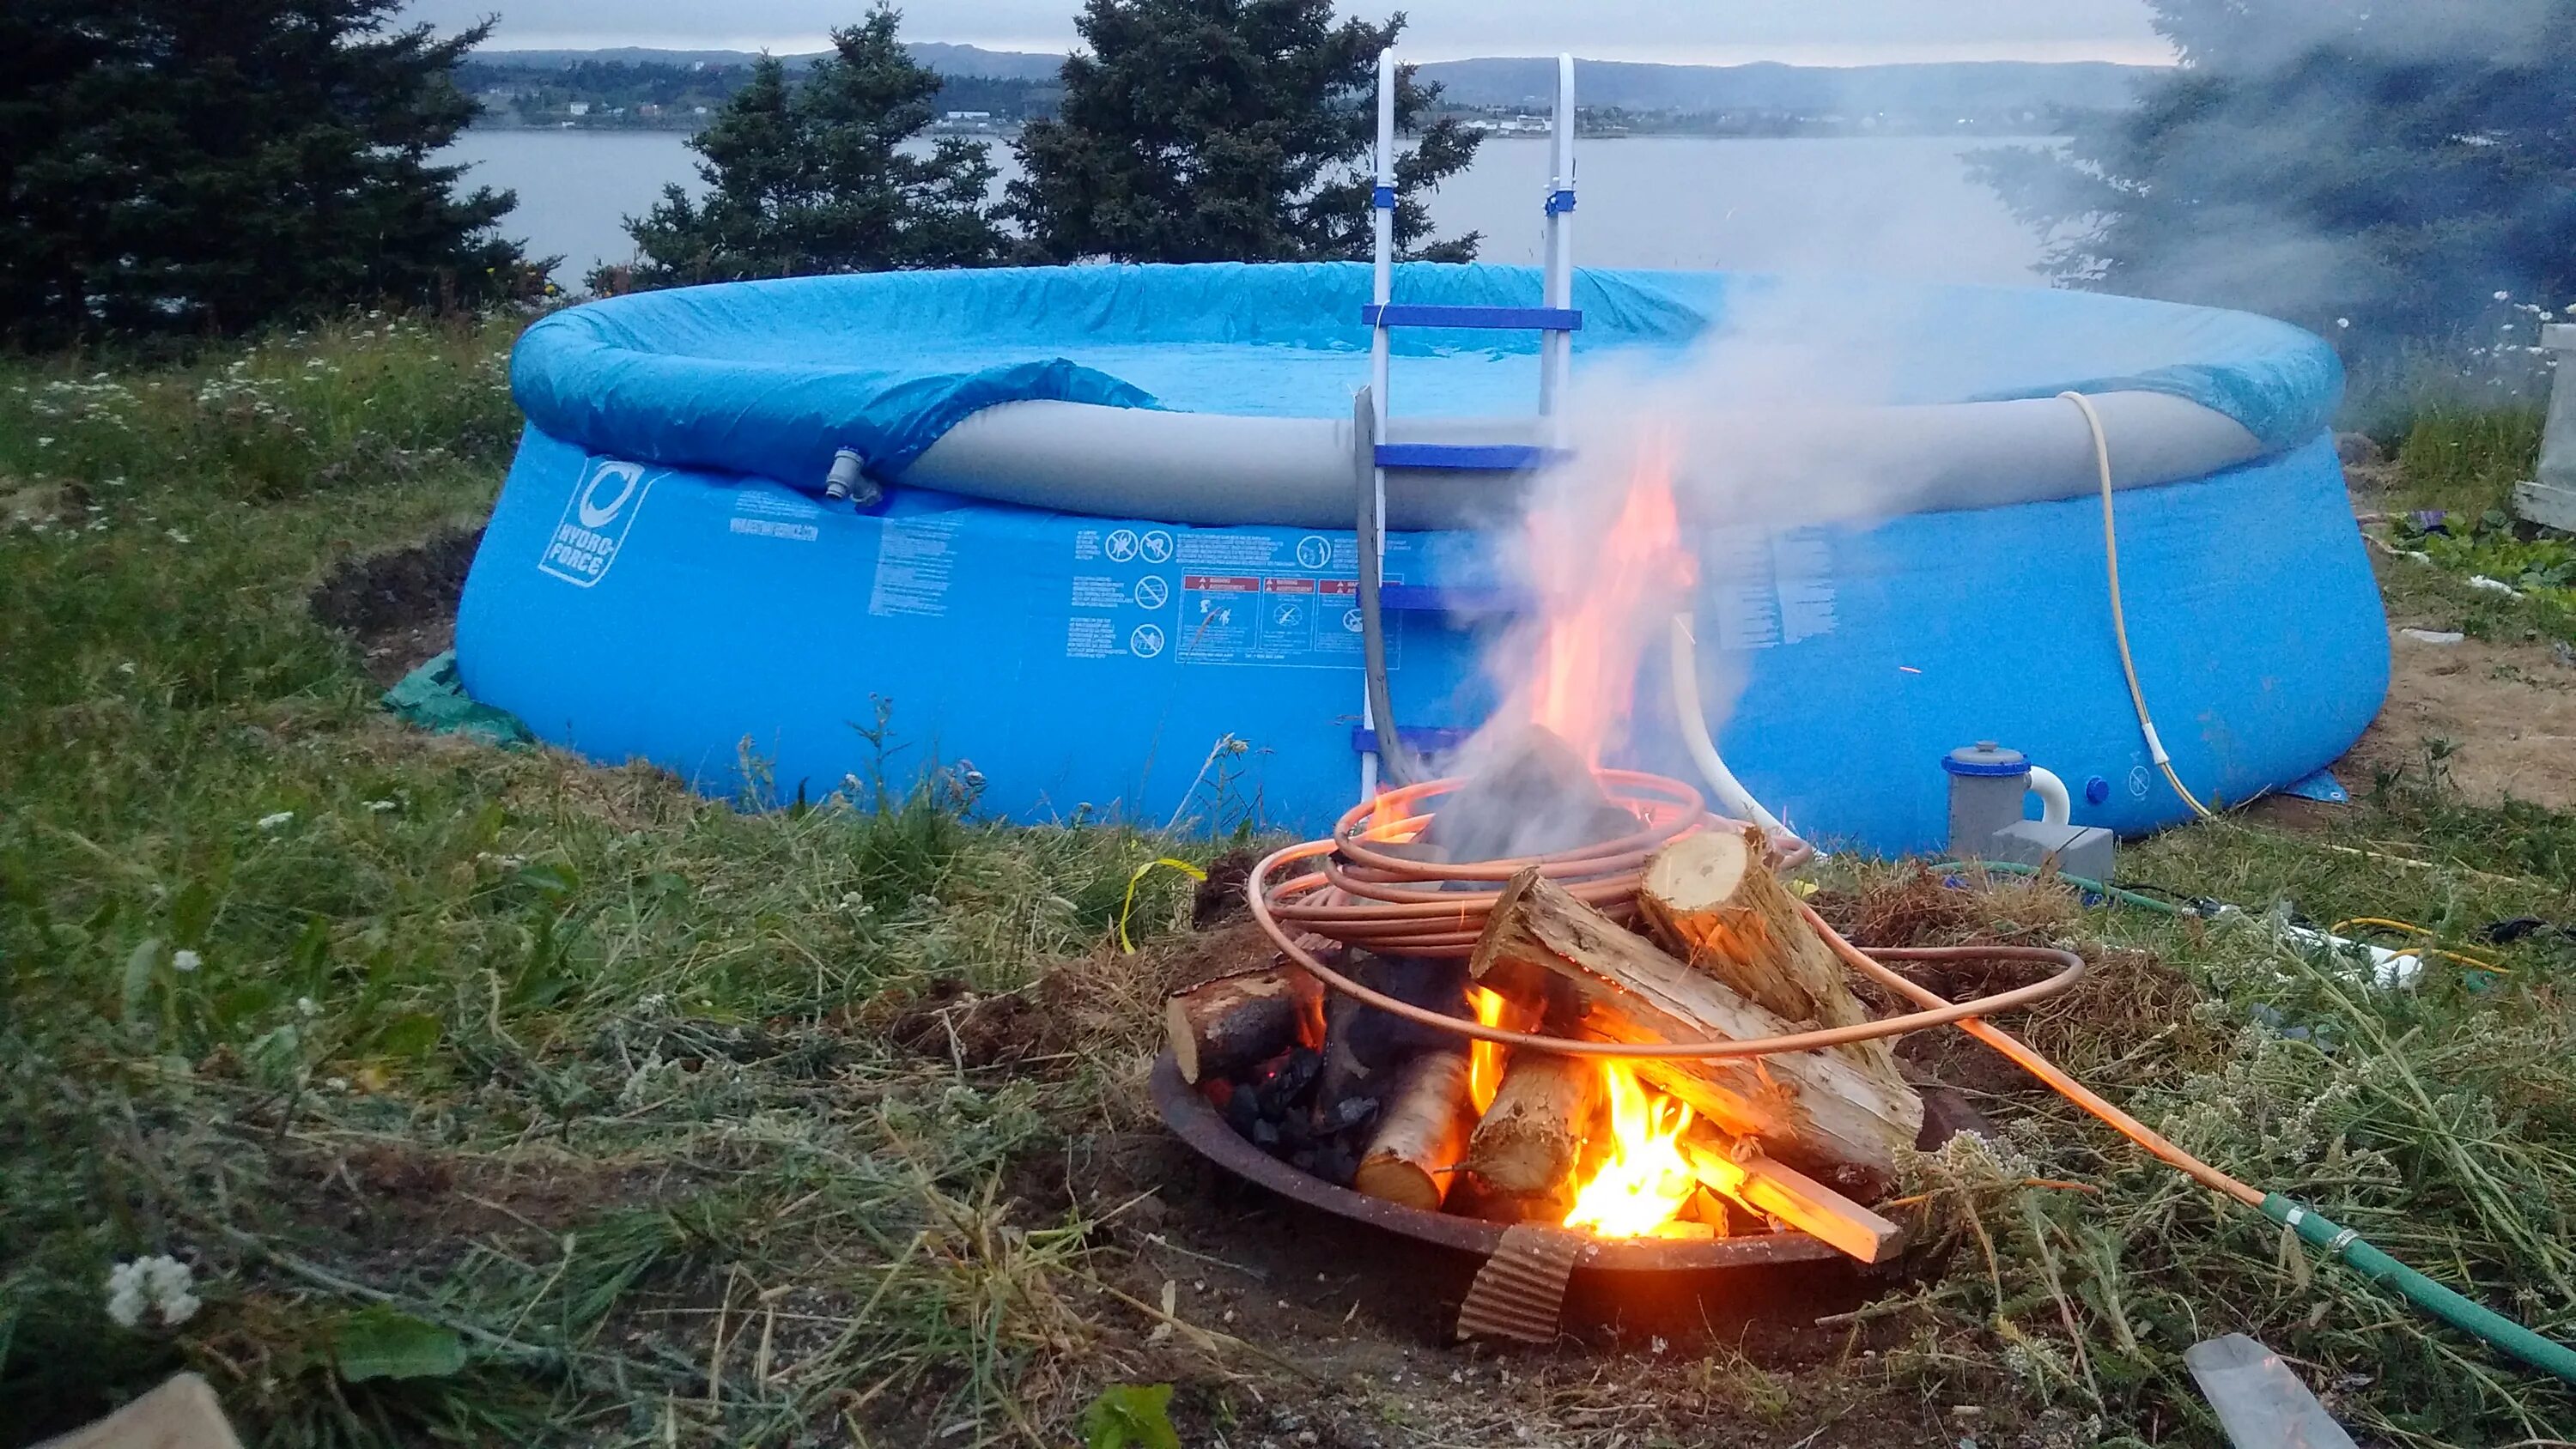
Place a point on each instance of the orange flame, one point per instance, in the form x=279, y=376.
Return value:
x=1601, y=593
x=1645, y=1182
x=1484, y=1058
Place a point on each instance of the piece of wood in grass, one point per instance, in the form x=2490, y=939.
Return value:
x=1221, y=1027
x=1421, y=1133
x=1812, y=1110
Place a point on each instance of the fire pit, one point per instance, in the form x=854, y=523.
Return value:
x=1620, y=1044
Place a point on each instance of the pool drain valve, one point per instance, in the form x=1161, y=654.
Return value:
x=1988, y=785
x=849, y=481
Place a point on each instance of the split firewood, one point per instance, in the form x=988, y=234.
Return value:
x=1220, y=1027
x=1794, y=1198
x=1809, y=1109
x=1712, y=899
x=1421, y=1133
x=1530, y=1139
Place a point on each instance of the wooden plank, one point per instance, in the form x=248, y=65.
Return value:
x=1794, y=1198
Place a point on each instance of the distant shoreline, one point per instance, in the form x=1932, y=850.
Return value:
x=1012, y=133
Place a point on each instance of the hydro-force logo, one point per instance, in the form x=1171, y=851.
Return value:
x=595, y=522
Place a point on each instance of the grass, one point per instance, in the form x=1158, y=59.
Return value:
x=497, y=1098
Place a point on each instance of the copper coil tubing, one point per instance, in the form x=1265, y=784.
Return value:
x=1364, y=894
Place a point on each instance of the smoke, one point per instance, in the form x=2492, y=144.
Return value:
x=1681, y=479
x=2377, y=172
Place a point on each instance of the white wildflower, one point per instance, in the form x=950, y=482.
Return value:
x=381, y=806
x=161, y=1283
x=308, y=1006
x=336, y=1084
x=272, y=822
x=185, y=960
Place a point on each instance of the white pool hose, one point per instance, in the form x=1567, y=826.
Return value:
x=2119, y=612
x=1726, y=793
x=2056, y=807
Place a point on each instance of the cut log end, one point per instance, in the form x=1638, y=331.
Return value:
x=1531, y=1137
x=1421, y=1134
x=1223, y=1026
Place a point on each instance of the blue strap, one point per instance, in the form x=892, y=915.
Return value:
x=1496, y=319
x=1383, y=198
x=1560, y=202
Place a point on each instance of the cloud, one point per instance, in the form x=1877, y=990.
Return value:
x=1805, y=31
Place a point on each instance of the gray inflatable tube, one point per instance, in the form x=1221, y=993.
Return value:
x=1213, y=469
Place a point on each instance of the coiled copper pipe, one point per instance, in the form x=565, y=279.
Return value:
x=1366, y=895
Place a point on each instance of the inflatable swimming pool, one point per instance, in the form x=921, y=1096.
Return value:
x=1113, y=569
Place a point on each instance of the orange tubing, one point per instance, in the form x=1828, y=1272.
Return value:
x=2041, y=1067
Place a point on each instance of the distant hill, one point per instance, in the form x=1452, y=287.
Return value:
x=964, y=60
x=1965, y=87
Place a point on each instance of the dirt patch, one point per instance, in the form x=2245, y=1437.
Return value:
x=400, y=606
x=2504, y=717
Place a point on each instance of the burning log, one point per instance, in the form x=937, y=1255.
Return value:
x=1794, y=1198
x=1221, y=1027
x=1526, y=1148
x=1811, y=1109
x=1421, y=1133
x=1711, y=899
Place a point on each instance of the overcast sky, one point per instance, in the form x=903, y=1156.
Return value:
x=1815, y=32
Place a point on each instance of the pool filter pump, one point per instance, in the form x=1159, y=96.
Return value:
x=1989, y=786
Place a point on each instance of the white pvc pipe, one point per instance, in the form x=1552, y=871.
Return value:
x=1727, y=794
x=1556, y=352
x=1382, y=291
x=2056, y=807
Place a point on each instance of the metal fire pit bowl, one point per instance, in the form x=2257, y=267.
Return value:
x=1198, y=1123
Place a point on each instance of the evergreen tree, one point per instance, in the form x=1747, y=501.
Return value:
x=170, y=165
x=1228, y=130
x=2376, y=172
x=809, y=176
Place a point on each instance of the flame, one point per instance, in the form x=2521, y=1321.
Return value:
x=1601, y=592
x=1484, y=1058
x=1645, y=1182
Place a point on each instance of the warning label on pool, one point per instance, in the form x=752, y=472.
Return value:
x=1238, y=598
x=915, y=557
x=1271, y=619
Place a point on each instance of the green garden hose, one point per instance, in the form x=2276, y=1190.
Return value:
x=2340, y=1243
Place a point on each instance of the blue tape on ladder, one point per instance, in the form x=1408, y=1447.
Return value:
x=1465, y=457
x=1497, y=319
x=1383, y=198
x=1560, y=202
x=1425, y=738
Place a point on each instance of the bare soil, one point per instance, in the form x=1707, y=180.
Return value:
x=400, y=606
x=2504, y=717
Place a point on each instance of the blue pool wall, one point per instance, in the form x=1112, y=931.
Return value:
x=1086, y=666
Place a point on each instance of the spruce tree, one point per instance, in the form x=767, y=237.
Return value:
x=180, y=165
x=1227, y=130
x=809, y=174
x=2375, y=172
